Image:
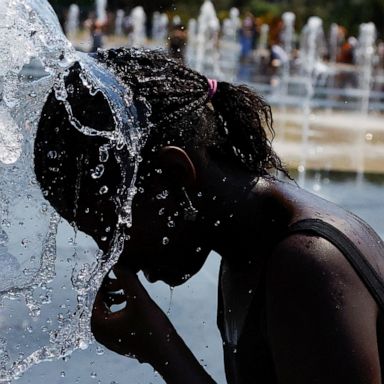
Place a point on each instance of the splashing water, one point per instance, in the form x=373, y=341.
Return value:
x=32, y=261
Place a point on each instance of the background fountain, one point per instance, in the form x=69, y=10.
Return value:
x=138, y=35
x=160, y=29
x=205, y=55
x=230, y=48
x=364, y=58
x=101, y=11
x=287, y=41
x=333, y=42
x=287, y=37
x=119, y=22
x=311, y=54
x=73, y=20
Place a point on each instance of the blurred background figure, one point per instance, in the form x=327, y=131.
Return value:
x=247, y=36
x=95, y=28
x=177, y=39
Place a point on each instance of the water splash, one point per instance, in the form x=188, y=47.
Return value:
x=32, y=267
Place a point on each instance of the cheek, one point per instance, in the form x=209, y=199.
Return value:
x=159, y=214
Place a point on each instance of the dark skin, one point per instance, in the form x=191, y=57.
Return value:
x=322, y=323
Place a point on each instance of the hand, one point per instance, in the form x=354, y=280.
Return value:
x=140, y=329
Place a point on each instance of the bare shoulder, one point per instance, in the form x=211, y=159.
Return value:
x=312, y=263
x=321, y=319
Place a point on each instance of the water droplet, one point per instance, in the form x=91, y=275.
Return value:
x=93, y=375
x=3, y=237
x=104, y=153
x=52, y=155
x=103, y=190
x=98, y=171
x=25, y=243
x=171, y=224
x=161, y=211
x=217, y=223
x=165, y=240
x=301, y=168
x=62, y=374
x=369, y=136
x=83, y=345
x=163, y=195
x=100, y=350
x=198, y=249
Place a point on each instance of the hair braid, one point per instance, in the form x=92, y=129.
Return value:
x=171, y=89
x=247, y=123
x=238, y=128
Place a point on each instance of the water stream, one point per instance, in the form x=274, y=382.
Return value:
x=32, y=234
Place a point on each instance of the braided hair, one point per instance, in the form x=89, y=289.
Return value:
x=239, y=127
x=232, y=125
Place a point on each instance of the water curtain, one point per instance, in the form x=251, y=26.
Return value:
x=41, y=255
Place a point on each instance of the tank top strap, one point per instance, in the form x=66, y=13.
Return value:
x=352, y=253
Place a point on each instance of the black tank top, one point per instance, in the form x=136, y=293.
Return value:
x=250, y=361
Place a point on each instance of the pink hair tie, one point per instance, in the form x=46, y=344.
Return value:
x=212, y=88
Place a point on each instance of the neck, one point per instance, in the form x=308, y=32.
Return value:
x=242, y=217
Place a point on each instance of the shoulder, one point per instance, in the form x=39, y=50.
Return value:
x=309, y=257
x=321, y=320
x=310, y=269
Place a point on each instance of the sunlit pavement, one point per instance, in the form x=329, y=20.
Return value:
x=342, y=141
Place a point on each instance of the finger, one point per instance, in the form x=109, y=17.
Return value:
x=128, y=280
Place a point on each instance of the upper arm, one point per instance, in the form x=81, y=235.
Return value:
x=321, y=320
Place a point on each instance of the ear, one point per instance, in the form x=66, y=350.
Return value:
x=177, y=166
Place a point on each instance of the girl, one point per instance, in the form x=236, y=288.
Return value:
x=300, y=286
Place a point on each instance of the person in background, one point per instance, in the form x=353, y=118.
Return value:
x=177, y=40
x=247, y=36
x=96, y=32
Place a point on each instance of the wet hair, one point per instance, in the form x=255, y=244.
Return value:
x=232, y=126
x=235, y=125
x=66, y=159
